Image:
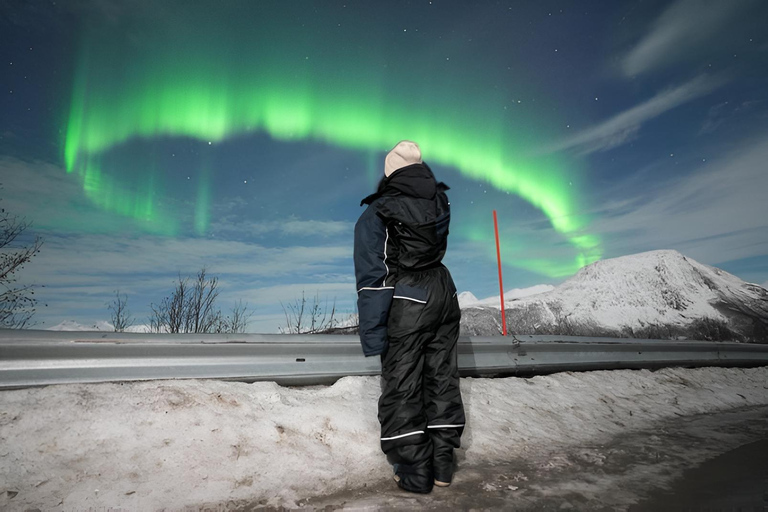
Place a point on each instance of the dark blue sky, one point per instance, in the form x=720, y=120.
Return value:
x=127, y=138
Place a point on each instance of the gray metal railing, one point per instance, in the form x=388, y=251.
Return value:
x=39, y=358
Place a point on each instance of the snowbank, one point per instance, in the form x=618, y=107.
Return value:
x=148, y=445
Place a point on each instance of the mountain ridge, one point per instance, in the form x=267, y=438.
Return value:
x=661, y=293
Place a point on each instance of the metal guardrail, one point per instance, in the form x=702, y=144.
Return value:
x=39, y=358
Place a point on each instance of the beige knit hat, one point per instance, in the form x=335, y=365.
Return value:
x=404, y=154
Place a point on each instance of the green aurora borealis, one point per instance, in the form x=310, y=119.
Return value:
x=211, y=82
x=143, y=140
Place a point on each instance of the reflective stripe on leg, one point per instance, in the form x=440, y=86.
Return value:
x=402, y=435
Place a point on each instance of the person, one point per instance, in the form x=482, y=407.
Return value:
x=409, y=316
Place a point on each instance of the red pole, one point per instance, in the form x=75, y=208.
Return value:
x=501, y=283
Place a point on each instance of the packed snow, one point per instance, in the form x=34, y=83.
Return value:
x=149, y=445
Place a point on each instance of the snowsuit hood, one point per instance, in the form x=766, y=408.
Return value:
x=415, y=180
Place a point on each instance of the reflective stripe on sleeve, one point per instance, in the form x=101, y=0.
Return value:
x=375, y=289
x=445, y=426
x=386, y=239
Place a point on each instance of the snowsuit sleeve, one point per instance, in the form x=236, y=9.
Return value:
x=374, y=293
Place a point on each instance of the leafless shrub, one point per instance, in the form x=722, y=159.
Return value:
x=710, y=329
x=653, y=332
x=702, y=329
x=191, y=308
x=302, y=317
x=758, y=333
x=349, y=324
x=538, y=318
x=120, y=315
x=237, y=322
x=170, y=315
x=529, y=319
x=201, y=315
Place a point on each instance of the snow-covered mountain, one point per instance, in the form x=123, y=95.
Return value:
x=653, y=294
x=71, y=325
x=467, y=299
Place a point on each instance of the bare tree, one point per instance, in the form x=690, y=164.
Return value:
x=236, y=322
x=239, y=320
x=169, y=315
x=304, y=318
x=201, y=315
x=158, y=318
x=191, y=308
x=294, y=315
x=119, y=312
x=17, y=304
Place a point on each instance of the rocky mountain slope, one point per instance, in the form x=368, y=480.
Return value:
x=658, y=294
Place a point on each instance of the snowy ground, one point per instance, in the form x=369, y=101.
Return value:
x=176, y=444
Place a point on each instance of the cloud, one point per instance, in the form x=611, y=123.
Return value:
x=682, y=28
x=717, y=214
x=52, y=199
x=65, y=256
x=290, y=227
x=289, y=293
x=726, y=111
x=624, y=126
x=78, y=274
x=316, y=227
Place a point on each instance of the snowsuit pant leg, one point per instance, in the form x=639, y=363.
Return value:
x=442, y=396
x=420, y=381
x=404, y=435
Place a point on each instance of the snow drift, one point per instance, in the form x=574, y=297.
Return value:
x=152, y=445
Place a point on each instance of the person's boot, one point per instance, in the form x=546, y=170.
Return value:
x=442, y=467
x=413, y=479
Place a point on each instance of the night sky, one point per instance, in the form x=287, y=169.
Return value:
x=146, y=139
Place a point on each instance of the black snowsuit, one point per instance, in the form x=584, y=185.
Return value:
x=409, y=314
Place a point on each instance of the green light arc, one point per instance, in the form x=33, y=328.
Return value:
x=178, y=102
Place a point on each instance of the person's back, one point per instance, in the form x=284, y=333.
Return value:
x=409, y=314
